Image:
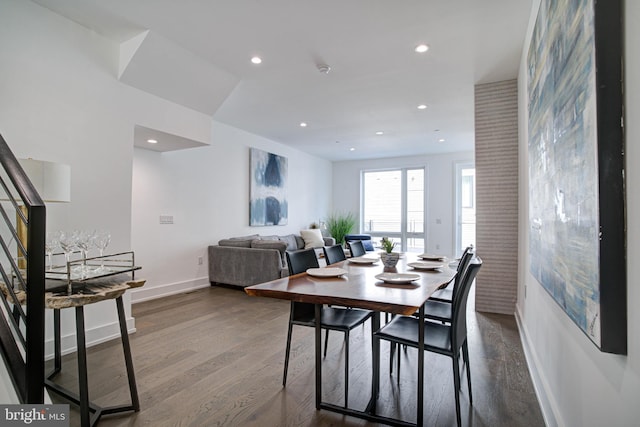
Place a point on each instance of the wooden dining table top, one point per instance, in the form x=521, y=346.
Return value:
x=359, y=288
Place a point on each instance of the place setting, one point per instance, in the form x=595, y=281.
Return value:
x=398, y=278
x=364, y=260
x=426, y=265
x=326, y=272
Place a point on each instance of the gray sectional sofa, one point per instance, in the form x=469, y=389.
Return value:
x=247, y=260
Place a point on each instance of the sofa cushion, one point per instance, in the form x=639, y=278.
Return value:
x=268, y=238
x=236, y=242
x=312, y=238
x=249, y=237
x=269, y=244
x=291, y=241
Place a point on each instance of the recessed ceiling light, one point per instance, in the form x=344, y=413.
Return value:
x=152, y=141
x=422, y=48
x=422, y=107
x=256, y=60
x=379, y=133
x=303, y=125
x=441, y=140
x=352, y=149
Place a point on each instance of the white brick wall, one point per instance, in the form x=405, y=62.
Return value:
x=496, y=129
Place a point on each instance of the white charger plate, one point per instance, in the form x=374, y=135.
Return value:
x=363, y=260
x=432, y=257
x=326, y=272
x=426, y=265
x=397, y=278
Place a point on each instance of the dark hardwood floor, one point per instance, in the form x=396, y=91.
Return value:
x=214, y=357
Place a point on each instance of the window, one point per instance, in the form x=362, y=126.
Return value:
x=465, y=206
x=394, y=206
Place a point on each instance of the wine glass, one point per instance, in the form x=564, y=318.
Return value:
x=51, y=243
x=85, y=240
x=101, y=241
x=68, y=241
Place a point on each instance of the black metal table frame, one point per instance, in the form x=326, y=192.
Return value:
x=82, y=400
x=369, y=413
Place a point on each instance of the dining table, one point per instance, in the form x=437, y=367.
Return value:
x=365, y=283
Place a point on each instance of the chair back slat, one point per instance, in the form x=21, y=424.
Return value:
x=467, y=255
x=459, y=316
x=333, y=254
x=300, y=261
x=356, y=247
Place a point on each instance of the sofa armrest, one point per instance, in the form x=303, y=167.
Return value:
x=329, y=241
x=243, y=266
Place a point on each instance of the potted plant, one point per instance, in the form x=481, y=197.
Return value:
x=339, y=225
x=388, y=257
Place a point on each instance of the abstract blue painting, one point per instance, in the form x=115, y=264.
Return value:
x=565, y=177
x=268, y=198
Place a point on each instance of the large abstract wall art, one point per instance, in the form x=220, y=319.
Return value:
x=576, y=176
x=268, y=198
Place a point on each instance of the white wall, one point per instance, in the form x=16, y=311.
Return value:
x=440, y=170
x=207, y=191
x=577, y=384
x=60, y=101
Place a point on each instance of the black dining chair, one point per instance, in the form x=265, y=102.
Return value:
x=437, y=309
x=446, y=339
x=333, y=254
x=356, y=247
x=445, y=293
x=333, y=318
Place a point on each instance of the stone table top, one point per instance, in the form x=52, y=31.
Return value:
x=91, y=292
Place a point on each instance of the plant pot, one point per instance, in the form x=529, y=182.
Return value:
x=390, y=259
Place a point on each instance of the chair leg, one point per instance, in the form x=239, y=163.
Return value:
x=286, y=357
x=456, y=387
x=346, y=368
x=465, y=356
x=392, y=350
x=326, y=342
x=398, y=369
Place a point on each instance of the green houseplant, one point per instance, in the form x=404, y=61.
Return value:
x=340, y=224
x=387, y=244
x=388, y=257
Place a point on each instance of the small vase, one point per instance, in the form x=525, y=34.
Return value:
x=390, y=259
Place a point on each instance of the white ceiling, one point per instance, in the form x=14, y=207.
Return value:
x=197, y=53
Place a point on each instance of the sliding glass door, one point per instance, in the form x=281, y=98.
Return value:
x=393, y=205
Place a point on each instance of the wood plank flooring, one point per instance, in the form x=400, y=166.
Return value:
x=214, y=357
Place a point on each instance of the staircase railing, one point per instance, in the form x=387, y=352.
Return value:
x=22, y=267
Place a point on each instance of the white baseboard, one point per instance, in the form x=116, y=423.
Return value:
x=147, y=293
x=541, y=386
x=93, y=336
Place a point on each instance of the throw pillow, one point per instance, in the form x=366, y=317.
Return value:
x=312, y=238
x=290, y=240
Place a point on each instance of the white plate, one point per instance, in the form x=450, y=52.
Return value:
x=397, y=277
x=363, y=260
x=432, y=257
x=326, y=272
x=425, y=265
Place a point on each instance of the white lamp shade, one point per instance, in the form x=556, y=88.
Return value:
x=52, y=180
